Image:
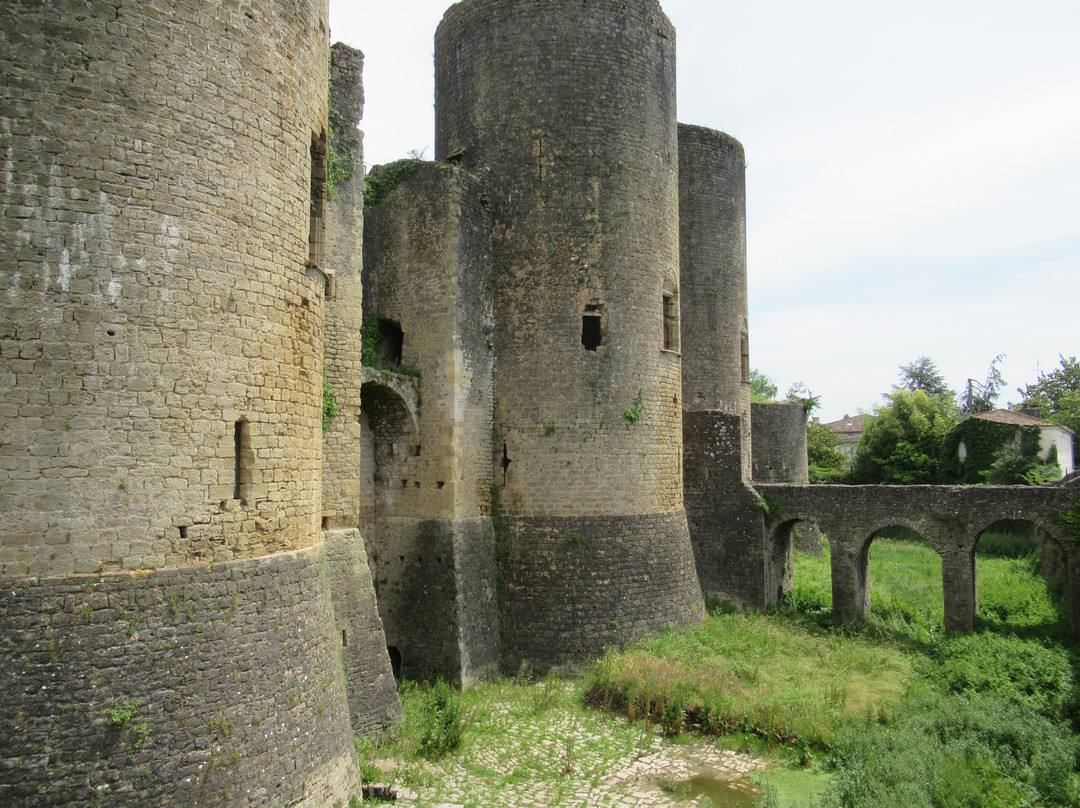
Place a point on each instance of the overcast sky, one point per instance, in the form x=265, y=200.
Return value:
x=913, y=173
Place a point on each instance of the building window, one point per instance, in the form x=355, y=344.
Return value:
x=592, y=327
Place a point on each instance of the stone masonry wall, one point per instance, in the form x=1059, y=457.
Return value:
x=726, y=526
x=712, y=265
x=155, y=194
x=217, y=685
x=779, y=442
x=428, y=530
x=573, y=587
x=568, y=111
x=344, y=264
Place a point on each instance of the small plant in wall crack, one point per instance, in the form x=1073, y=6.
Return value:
x=126, y=716
x=633, y=414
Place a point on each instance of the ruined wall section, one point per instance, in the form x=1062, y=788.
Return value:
x=568, y=110
x=779, y=441
x=426, y=271
x=156, y=229
x=344, y=266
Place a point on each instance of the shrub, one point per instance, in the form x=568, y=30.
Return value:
x=1016, y=671
x=443, y=724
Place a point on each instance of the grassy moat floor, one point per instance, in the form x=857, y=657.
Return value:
x=777, y=709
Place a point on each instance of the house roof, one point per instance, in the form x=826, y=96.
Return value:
x=1014, y=418
x=847, y=426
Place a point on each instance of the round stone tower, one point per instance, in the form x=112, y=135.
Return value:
x=568, y=108
x=712, y=223
x=161, y=343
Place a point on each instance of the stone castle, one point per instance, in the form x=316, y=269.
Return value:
x=209, y=579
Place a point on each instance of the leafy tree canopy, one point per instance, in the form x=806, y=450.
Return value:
x=825, y=461
x=902, y=440
x=923, y=374
x=1058, y=393
x=762, y=387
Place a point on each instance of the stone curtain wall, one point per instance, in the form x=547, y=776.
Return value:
x=229, y=675
x=156, y=200
x=569, y=110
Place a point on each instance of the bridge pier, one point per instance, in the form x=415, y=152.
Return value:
x=850, y=575
x=958, y=583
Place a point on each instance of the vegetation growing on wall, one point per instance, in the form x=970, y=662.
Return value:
x=329, y=402
x=381, y=180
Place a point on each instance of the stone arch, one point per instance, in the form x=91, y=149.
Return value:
x=900, y=529
x=799, y=532
x=1028, y=535
x=389, y=434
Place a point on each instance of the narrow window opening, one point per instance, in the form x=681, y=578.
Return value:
x=416, y=484
x=183, y=532
x=592, y=327
x=745, y=350
x=344, y=638
x=440, y=484
x=391, y=342
x=671, y=322
x=326, y=523
x=318, y=200
x=505, y=463
x=242, y=461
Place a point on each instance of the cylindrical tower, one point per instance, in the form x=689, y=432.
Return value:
x=161, y=358
x=712, y=244
x=569, y=108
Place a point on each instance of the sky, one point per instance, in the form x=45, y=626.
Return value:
x=913, y=174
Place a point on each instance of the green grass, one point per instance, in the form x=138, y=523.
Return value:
x=895, y=712
x=758, y=674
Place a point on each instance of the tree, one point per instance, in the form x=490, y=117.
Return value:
x=825, y=462
x=923, y=374
x=800, y=393
x=980, y=396
x=1019, y=463
x=762, y=387
x=902, y=441
x=1057, y=394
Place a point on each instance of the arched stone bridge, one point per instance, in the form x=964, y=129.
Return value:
x=950, y=518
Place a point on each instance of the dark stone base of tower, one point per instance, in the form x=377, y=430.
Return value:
x=572, y=587
x=206, y=685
